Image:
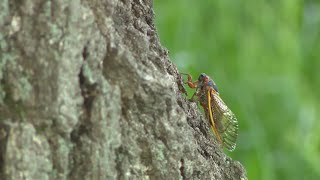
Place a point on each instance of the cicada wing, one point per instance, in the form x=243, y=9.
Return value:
x=225, y=122
x=210, y=116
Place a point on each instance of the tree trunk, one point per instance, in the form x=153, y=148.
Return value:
x=87, y=92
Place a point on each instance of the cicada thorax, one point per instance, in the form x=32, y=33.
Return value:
x=203, y=88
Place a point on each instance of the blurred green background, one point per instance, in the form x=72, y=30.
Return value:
x=265, y=59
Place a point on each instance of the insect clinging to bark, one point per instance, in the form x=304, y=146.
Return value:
x=221, y=119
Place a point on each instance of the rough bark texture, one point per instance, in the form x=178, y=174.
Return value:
x=87, y=92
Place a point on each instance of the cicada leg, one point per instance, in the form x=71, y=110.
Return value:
x=195, y=97
x=189, y=82
x=181, y=85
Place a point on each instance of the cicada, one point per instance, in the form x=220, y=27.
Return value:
x=223, y=122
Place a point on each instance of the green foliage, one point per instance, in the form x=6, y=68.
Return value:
x=265, y=58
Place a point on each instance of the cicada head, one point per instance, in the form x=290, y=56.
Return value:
x=205, y=80
x=203, y=77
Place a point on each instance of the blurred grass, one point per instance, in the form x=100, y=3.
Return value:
x=265, y=58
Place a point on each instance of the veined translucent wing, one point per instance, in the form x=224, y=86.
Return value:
x=225, y=122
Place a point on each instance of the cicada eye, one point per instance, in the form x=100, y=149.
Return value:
x=202, y=76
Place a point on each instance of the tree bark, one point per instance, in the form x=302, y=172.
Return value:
x=88, y=92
